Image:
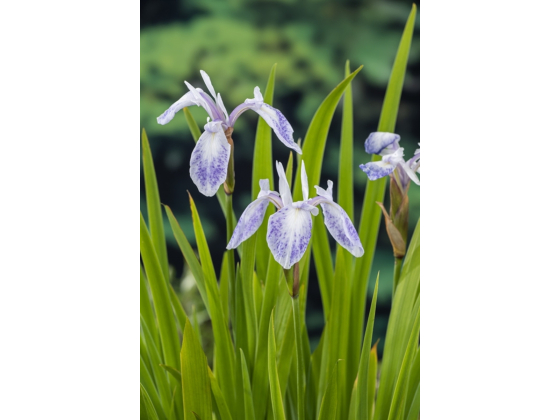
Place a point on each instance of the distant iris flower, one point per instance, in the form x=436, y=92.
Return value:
x=289, y=229
x=387, y=146
x=210, y=157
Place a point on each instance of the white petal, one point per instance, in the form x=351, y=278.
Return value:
x=378, y=141
x=341, y=228
x=284, y=186
x=278, y=123
x=222, y=107
x=288, y=235
x=265, y=186
x=307, y=206
x=376, y=170
x=304, y=183
x=209, y=160
x=395, y=157
x=184, y=101
x=250, y=221
x=325, y=193
x=208, y=83
x=258, y=94
x=410, y=173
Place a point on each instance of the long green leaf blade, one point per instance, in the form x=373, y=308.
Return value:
x=260, y=372
x=413, y=381
x=194, y=377
x=346, y=162
x=263, y=169
x=372, y=379
x=162, y=300
x=146, y=309
x=300, y=359
x=335, y=339
x=225, y=358
x=189, y=256
x=276, y=395
x=247, y=271
x=247, y=395
x=149, y=386
x=316, y=137
x=154, y=205
x=159, y=376
x=147, y=408
x=193, y=126
x=362, y=388
x=219, y=397
x=401, y=322
x=328, y=406
x=375, y=190
x=323, y=262
x=177, y=307
x=398, y=403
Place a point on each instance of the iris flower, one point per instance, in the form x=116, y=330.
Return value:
x=387, y=146
x=289, y=229
x=210, y=157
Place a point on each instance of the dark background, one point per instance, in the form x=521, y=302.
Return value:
x=236, y=43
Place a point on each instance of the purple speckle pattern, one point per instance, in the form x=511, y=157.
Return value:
x=376, y=170
x=249, y=222
x=289, y=232
x=209, y=162
x=341, y=228
x=378, y=141
x=279, y=124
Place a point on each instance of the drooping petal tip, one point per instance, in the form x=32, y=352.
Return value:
x=378, y=140
x=279, y=124
x=341, y=228
x=377, y=170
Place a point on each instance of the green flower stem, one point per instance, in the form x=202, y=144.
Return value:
x=300, y=363
x=229, y=185
x=230, y=253
x=396, y=274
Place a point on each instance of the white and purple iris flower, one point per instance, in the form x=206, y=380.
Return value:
x=289, y=229
x=210, y=157
x=387, y=146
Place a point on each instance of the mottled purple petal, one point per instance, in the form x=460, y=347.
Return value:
x=337, y=221
x=341, y=228
x=186, y=100
x=249, y=222
x=377, y=141
x=279, y=124
x=289, y=232
x=272, y=116
x=376, y=170
x=209, y=160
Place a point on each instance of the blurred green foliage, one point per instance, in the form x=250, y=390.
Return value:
x=236, y=42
